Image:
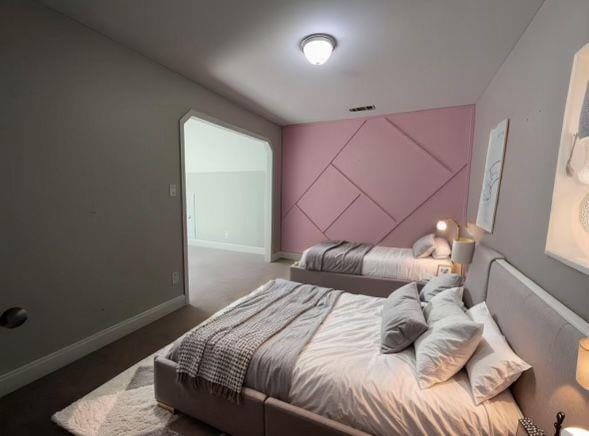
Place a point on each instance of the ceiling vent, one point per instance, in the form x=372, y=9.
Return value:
x=362, y=108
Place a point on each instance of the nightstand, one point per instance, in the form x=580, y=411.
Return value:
x=527, y=427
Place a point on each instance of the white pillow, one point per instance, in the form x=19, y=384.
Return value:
x=444, y=348
x=442, y=249
x=494, y=366
x=424, y=246
x=450, y=340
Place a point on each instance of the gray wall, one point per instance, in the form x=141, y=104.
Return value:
x=531, y=89
x=90, y=142
x=229, y=206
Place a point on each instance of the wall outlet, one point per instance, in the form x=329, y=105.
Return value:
x=226, y=234
x=173, y=190
x=175, y=278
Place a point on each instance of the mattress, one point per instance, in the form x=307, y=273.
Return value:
x=342, y=375
x=396, y=263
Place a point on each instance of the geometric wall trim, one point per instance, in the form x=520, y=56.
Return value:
x=383, y=180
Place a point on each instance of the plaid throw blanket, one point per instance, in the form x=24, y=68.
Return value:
x=217, y=354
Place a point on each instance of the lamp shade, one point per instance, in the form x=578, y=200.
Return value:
x=583, y=363
x=462, y=250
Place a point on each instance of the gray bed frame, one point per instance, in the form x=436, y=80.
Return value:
x=540, y=329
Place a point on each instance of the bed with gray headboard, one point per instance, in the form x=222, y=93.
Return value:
x=539, y=329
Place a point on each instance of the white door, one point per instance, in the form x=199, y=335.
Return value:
x=191, y=215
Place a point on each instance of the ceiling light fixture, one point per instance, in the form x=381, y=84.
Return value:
x=318, y=47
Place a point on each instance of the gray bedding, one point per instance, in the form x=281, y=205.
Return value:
x=337, y=256
x=255, y=342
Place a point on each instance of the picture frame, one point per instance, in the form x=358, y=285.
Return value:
x=444, y=269
x=492, y=176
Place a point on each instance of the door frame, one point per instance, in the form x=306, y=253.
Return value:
x=269, y=191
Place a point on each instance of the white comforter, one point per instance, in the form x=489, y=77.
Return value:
x=396, y=263
x=342, y=375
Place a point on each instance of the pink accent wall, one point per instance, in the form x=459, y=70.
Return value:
x=384, y=180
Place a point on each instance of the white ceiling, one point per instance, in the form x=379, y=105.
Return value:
x=399, y=55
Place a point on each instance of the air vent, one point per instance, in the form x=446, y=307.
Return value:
x=362, y=108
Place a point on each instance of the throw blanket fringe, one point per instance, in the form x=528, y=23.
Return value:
x=216, y=355
x=212, y=388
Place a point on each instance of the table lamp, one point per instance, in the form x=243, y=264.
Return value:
x=442, y=226
x=462, y=248
x=462, y=252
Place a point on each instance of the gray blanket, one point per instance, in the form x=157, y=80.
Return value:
x=337, y=256
x=266, y=332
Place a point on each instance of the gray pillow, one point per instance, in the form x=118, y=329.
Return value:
x=424, y=246
x=438, y=284
x=445, y=304
x=402, y=319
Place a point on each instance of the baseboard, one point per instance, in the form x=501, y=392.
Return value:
x=287, y=255
x=227, y=246
x=36, y=369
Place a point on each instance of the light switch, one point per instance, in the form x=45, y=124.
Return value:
x=172, y=190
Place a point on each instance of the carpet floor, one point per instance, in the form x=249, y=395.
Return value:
x=214, y=284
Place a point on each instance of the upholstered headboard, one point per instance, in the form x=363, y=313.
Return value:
x=477, y=279
x=545, y=334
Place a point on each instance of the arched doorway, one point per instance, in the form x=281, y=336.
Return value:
x=227, y=183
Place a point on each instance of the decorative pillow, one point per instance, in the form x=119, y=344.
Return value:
x=424, y=246
x=442, y=249
x=402, y=319
x=438, y=284
x=444, y=348
x=494, y=366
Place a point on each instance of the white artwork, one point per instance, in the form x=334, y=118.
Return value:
x=568, y=230
x=492, y=176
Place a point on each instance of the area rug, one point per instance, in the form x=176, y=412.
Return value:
x=125, y=405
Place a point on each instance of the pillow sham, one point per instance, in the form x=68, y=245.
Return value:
x=402, y=319
x=442, y=249
x=424, y=246
x=494, y=366
x=438, y=284
x=444, y=348
x=446, y=303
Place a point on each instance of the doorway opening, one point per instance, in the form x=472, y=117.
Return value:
x=227, y=176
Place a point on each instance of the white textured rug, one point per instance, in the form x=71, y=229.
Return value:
x=125, y=405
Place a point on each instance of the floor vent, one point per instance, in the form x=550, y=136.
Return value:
x=362, y=108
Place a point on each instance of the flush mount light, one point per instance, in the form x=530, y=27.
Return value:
x=318, y=47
